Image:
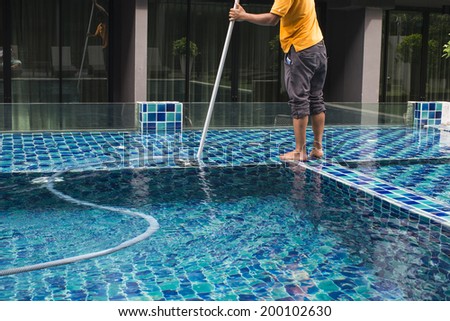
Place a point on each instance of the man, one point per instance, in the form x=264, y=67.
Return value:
x=305, y=67
x=102, y=28
x=102, y=32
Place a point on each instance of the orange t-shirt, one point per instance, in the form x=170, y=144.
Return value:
x=298, y=25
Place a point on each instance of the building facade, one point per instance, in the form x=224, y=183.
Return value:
x=379, y=51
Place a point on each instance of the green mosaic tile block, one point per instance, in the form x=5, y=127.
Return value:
x=364, y=291
x=229, y=297
x=202, y=287
x=156, y=296
x=328, y=286
x=161, y=126
x=170, y=116
x=174, y=285
x=323, y=297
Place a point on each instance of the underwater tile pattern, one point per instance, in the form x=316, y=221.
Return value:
x=344, y=147
x=211, y=244
x=326, y=252
x=160, y=117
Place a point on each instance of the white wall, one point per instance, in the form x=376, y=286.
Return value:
x=140, y=54
x=373, y=26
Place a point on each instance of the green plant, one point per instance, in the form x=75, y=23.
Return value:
x=179, y=48
x=274, y=44
x=409, y=48
x=446, y=49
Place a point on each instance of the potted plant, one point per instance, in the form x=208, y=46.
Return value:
x=179, y=47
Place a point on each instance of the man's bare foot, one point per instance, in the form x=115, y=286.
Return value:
x=294, y=155
x=317, y=151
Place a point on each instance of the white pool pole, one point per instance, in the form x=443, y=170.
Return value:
x=216, y=85
x=85, y=45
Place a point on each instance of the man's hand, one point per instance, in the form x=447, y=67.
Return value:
x=237, y=14
x=262, y=19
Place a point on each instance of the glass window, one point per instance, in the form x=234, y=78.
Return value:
x=209, y=29
x=34, y=32
x=58, y=61
x=252, y=68
x=410, y=74
x=403, y=56
x=438, y=75
x=260, y=60
x=85, y=39
x=166, y=67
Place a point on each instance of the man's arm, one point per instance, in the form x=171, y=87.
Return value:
x=262, y=19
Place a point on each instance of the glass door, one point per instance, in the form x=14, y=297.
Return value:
x=414, y=68
x=403, y=56
x=438, y=75
x=167, y=34
x=58, y=53
x=252, y=70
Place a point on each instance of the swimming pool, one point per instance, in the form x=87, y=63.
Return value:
x=318, y=231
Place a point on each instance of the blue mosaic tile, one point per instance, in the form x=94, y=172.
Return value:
x=160, y=117
x=431, y=113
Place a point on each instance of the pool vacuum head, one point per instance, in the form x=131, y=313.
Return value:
x=187, y=162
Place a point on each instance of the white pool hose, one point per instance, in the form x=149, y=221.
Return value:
x=152, y=228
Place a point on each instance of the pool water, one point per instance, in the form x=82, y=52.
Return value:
x=231, y=233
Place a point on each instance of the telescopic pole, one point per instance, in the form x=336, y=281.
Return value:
x=216, y=85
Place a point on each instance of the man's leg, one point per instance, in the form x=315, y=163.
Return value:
x=298, y=74
x=299, y=153
x=317, y=104
x=305, y=74
x=318, y=125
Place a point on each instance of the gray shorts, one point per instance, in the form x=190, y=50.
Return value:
x=305, y=72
